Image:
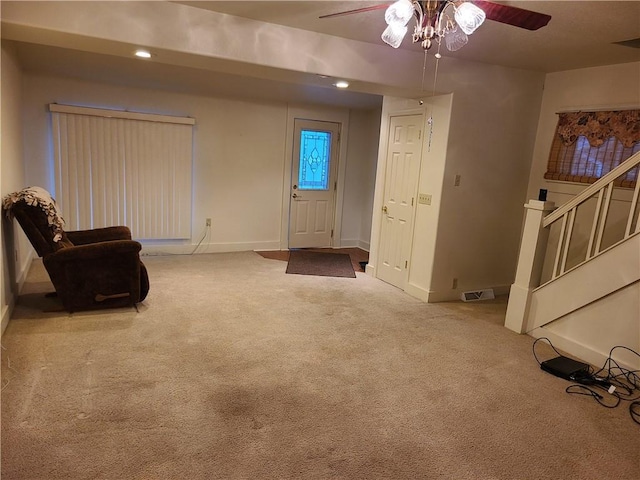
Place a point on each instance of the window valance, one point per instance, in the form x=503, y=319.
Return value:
x=597, y=127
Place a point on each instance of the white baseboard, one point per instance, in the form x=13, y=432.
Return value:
x=366, y=246
x=500, y=290
x=353, y=243
x=434, y=296
x=22, y=276
x=7, y=310
x=417, y=292
x=154, y=248
x=150, y=248
x=578, y=350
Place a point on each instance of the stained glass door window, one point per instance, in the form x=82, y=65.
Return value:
x=315, y=155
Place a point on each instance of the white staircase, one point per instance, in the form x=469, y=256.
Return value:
x=578, y=276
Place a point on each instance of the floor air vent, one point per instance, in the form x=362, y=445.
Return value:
x=486, y=294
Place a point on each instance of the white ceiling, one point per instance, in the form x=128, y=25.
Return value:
x=580, y=34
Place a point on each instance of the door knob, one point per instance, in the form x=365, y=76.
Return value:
x=384, y=209
x=295, y=195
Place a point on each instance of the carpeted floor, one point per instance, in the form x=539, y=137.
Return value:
x=232, y=369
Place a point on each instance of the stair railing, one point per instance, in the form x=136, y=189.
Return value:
x=603, y=188
x=540, y=216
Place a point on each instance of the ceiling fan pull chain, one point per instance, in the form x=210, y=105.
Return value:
x=424, y=69
x=433, y=94
x=430, y=123
x=435, y=73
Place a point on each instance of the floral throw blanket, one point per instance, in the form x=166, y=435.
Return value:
x=38, y=197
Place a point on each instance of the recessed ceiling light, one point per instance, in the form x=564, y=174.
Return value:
x=143, y=54
x=342, y=84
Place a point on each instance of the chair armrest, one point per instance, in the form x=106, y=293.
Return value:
x=84, y=237
x=95, y=251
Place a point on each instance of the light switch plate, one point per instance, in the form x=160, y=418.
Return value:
x=424, y=198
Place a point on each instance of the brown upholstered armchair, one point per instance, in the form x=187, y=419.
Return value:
x=89, y=269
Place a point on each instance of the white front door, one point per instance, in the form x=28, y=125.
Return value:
x=401, y=182
x=313, y=183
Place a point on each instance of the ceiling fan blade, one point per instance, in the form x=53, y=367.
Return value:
x=357, y=10
x=518, y=17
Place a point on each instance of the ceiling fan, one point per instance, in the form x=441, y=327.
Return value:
x=448, y=20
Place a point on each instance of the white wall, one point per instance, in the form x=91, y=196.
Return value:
x=239, y=157
x=490, y=145
x=609, y=87
x=484, y=131
x=591, y=331
x=431, y=181
x=589, y=336
x=16, y=253
x=493, y=116
x=362, y=156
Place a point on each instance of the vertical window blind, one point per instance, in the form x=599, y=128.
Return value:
x=123, y=168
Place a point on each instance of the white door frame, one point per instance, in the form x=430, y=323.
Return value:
x=400, y=107
x=339, y=116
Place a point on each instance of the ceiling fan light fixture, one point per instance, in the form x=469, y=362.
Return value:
x=455, y=39
x=469, y=17
x=399, y=12
x=394, y=34
x=435, y=19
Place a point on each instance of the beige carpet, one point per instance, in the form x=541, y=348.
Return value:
x=234, y=370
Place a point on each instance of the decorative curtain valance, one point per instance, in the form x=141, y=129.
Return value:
x=597, y=127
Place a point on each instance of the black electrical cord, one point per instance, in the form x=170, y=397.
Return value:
x=585, y=390
x=534, y=348
x=206, y=232
x=634, y=410
x=616, y=382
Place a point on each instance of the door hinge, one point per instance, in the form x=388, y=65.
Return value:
x=335, y=186
x=331, y=233
x=412, y=201
x=406, y=263
x=419, y=134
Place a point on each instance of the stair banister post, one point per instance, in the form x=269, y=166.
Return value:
x=530, y=262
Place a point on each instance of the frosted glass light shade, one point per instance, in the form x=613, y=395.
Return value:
x=399, y=12
x=469, y=17
x=455, y=39
x=394, y=34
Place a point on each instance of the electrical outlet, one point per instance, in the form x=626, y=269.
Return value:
x=456, y=181
x=424, y=198
x=208, y=224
